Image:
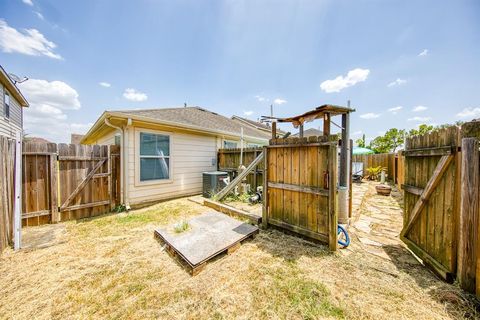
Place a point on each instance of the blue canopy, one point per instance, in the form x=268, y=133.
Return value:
x=360, y=150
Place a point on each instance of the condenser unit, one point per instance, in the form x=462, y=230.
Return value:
x=213, y=182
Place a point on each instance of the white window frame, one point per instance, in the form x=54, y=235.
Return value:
x=5, y=94
x=138, y=181
x=230, y=141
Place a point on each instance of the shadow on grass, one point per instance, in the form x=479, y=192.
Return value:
x=458, y=303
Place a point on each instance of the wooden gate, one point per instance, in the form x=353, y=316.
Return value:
x=68, y=181
x=300, y=187
x=432, y=173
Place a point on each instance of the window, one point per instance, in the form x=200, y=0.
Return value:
x=229, y=144
x=6, y=100
x=154, y=157
x=253, y=145
x=117, y=139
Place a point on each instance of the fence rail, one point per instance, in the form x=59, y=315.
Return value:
x=7, y=172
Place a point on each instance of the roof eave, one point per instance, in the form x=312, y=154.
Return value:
x=5, y=79
x=107, y=114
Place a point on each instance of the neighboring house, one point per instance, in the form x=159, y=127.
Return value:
x=258, y=125
x=75, y=138
x=12, y=103
x=165, y=150
x=309, y=133
x=35, y=139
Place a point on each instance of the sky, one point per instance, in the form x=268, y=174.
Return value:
x=400, y=63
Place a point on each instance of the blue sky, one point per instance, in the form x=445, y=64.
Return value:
x=238, y=57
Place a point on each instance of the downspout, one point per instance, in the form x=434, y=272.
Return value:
x=122, y=165
x=127, y=162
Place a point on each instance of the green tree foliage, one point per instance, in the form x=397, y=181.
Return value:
x=361, y=142
x=422, y=129
x=389, y=142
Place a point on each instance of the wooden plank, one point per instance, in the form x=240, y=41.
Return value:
x=35, y=214
x=81, y=148
x=429, y=261
x=231, y=211
x=300, y=230
x=430, y=152
x=220, y=195
x=412, y=189
x=332, y=204
x=85, y=205
x=265, y=202
x=299, y=188
x=469, y=209
x=81, y=185
x=54, y=189
x=432, y=183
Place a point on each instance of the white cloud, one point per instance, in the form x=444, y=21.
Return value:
x=395, y=110
x=260, y=98
x=46, y=117
x=397, y=82
x=353, y=77
x=30, y=42
x=370, y=115
x=357, y=133
x=419, y=109
x=105, y=84
x=423, y=53
x=57, y=94
x=469, y=113
x=39, y=15
x=29, y=2
x=279, y=101
x=248, y=113
x=420, y=119
x=134, y=95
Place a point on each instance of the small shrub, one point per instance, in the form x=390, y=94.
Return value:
x=120, y=208
x=373, y=173
x=181, y=227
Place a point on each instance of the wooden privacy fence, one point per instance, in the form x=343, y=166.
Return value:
x=7, y=190
x=386, y=160
x=441, y=202
x=68, y=181
x=300, y=187
x=229, y=161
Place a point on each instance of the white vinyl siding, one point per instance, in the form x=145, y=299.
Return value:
x=190, y=155
x=9, y=127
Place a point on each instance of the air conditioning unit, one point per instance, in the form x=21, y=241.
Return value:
x=213, y=182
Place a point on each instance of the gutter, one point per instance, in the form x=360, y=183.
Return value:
x=123, y=166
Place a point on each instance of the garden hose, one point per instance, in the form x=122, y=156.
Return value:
x=345, y=243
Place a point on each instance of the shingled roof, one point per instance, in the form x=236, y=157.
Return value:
x=256, y=124
x=197, y=117
x=312, y=132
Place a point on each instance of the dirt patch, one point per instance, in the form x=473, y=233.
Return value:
x=112, y=267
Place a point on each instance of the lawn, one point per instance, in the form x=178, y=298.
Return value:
x=112, y=267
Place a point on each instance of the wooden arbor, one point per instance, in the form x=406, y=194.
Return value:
x=300, y=185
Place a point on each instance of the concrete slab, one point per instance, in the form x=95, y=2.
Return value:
x=209, y=234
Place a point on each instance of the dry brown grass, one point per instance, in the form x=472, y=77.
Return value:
x=112, y=267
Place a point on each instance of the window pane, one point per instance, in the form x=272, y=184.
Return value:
x=154, y=169
x=154, y=144
x=229, y=145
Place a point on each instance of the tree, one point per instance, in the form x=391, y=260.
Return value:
x=389, y=142
x=361, y=142
x=422, y=129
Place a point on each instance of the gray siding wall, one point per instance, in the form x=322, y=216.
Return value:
x=9, y=127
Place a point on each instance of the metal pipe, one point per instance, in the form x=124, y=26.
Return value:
x=122, y=170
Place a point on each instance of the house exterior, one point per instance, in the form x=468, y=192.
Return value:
x=12, y=103
x=312, y=132
x=265, y=127
x=166, y=150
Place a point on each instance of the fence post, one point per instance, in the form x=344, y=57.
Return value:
x=467, y=255
x=17, y=218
